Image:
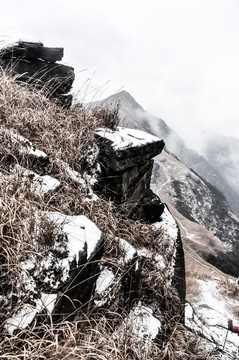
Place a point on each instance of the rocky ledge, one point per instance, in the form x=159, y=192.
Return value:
x=36, y=64
x=126, y=162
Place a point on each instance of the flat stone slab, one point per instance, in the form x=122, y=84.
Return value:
x=32, y=50
x=124, y=148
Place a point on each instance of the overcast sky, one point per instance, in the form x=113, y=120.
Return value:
x=178, y=58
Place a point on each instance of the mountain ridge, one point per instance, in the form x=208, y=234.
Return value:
x=133, y=115
x=192, y=194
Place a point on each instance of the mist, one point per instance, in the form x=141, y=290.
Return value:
x=179, y=59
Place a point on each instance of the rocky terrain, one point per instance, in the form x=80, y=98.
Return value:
x=92, y=263
x=95, y=233
x=209, y=229
x=192, y=195
x=209, y=167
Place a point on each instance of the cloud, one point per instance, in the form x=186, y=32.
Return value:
x=179, y=59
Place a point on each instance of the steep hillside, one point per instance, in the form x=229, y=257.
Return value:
x=133, y=115
x=197, y=206
x=79, y=278
x=189, y=193
x=199, y=201
x=211, y=294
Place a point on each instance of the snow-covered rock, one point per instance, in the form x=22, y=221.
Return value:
x=209, y=316
x=77, y=242
x=126, y=162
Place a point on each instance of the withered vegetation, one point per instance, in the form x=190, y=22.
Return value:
x=66, y=136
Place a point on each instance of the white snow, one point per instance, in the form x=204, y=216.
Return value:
x=158, y=259
x=103, y=284
x=123, y=138
x=76, y=176
x=212, y=310
x=142, y=323
x=28, y=147
x=167, y=224
x=131, y=251
x=86, y=184
x=38, y=184
x=128, y=249
x=48, y=183
x=27, y=312
x=104, y=280
x=80, y=232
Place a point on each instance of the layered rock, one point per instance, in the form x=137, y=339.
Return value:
x=65, y=277
x=126, y=162
x=36, y=64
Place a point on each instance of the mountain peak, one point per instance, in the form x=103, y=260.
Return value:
x=123, y=97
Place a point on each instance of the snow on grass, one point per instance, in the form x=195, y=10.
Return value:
x=80, y=232
x=212, y=310
x=104, y=280
x=123, y=138
x=103, y=284
x=27, y=312
x=40, y=185
x=142, y=323
x=128, y=249
x=48, y=183
x=170, y=232
x=85, y=183
x=167, y=224
x=130, y=252
x=27, y=147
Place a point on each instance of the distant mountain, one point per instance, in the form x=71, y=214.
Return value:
x=210, y=168
x=222, y=152
x=202, y=203
x=186, y=180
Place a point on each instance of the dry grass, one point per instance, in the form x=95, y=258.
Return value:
x=66, y=137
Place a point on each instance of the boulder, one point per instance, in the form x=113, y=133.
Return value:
x=36, y=64
x=126, y=162
x=32, y=50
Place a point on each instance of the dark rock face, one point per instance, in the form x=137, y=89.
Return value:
x=67, y=275
x=36, y=64
x=126, y=160
x=33, y=50
x=77, y=291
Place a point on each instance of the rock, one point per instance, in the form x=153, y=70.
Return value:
x=32, y=50
x=22, y=151
x=126, y=162
x=67, y=272
x=124, y=148
x=36, y=64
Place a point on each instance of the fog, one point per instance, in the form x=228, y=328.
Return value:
x=178, y=59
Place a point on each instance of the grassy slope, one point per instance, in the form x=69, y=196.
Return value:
x=66, y=137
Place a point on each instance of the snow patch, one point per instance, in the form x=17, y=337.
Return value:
x=103, y=284
x=27, y=312
x=104, y=280
x=128, y=249
x=167, y=224
x=27, y=147
x=210, y=314
x=38, y=184
x=142, y=323
x=123, y=138
x=80, y=232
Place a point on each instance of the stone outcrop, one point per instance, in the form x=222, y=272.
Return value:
x=70, y=273
x=71, y=268
x=36, y=64
x=126, y=163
